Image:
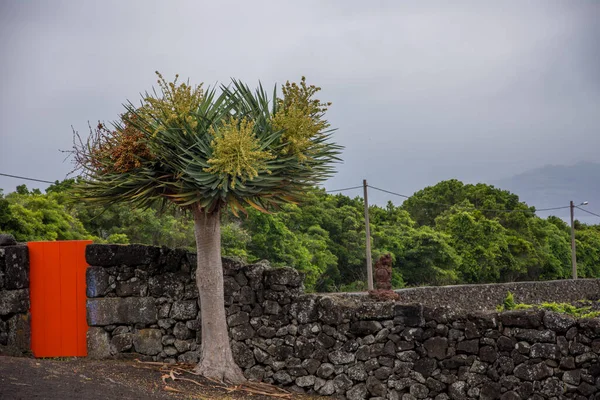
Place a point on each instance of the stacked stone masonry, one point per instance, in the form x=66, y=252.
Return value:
x=14, y=297
x=143, y=302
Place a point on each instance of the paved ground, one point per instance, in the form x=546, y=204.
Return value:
x=74, y=379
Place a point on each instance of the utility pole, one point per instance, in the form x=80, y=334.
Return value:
x=573, y=254
x=368, y=235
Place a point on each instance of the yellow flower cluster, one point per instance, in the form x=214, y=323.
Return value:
x=236, y=151
x=175, y=106
x=300, y=117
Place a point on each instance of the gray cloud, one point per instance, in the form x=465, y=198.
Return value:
x=422, y=91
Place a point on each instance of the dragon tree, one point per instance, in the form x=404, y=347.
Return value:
x=204, y=151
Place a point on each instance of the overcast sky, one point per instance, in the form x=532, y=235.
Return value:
x=422, y=91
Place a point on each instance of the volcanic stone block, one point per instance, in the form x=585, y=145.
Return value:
x=283, y=276
x=115, y=310
x=115, y=254
x=16, y=269
x=184, y=310
x=19, y=332
x=522, y=318
x=98, y=343
x=409, y=314
x=96, y=279
x=148, y=341
x=7, y=240
x=14, y=301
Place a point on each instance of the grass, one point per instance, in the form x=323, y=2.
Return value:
x=563, y=308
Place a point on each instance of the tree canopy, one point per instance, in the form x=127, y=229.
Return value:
x=324, y=236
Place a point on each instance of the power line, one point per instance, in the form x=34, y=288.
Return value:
x=471, y=207
x=27, y=179
x=589, y=212
x=344, y=189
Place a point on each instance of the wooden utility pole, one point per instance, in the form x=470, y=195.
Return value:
x=368, y=235
x=573, y=253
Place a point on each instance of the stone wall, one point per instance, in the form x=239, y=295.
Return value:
x=143, y=303
x=14, y=297
x=487, y=297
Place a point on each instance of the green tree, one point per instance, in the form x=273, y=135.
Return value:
x=204, y=152
x=30, y=216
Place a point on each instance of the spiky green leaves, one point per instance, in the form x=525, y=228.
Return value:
x=240, y=148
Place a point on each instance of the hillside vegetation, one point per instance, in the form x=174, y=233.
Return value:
x=444, y=234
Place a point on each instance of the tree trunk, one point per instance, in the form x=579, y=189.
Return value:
x=216, y=360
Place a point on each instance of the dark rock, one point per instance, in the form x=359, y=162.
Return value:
x=436, y=347
x=230, y=285
x=490, y=391
x=114, y=254
x=115, y=310
x=283, y=276
x=14, y=301
x=305, y=309
x=488, y=354
x=357, y=372
x=133, y=287
x=419, y=390
x=586, y=389
x=522, y=318
x=184, y=310
x=191, y=357
x=558, y=322
x=267, y=332
x=327, y=389
x=98, y=343
x=409, y=314
x=505, y=343
x=454, y=363
x=305, y=381
x=458, y=390
x=325, y=340
x=271, y=307
x=325, y=370
x=376, y=387
x=512, y=395
x=533, y=335
x=363, y=328
x=16, y=268
x=121, y=343
x=572, y=377
x=282, y=377
x=544, y=350
x=19, y=332
x=182, y=346
x=311, y=365
x=425, y=366
x=243, y=356
x=533, y=372
x=7, y=240
x=97, y=281
x=167, y=285
x=468, y=346
x=148, y=341
x=376, y=310
x=383, y=373
x=182, y=332
x=435, y=385
x=340, y=357
x=239, y=318
x=357, y=392
x=342, y=383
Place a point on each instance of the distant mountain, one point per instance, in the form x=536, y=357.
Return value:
x=555, y=185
